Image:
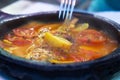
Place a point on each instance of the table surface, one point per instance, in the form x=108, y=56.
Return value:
x=26, y=7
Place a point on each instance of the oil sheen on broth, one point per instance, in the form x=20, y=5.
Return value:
x=58, y=42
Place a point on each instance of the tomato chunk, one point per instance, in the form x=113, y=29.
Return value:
x=16, y=40
x=90, y=37
x=84, y=55
x=21, y=42
x=25, y=32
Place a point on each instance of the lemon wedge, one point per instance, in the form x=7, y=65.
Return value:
x=56, y=41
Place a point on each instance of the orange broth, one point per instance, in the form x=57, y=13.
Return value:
x=31, y=41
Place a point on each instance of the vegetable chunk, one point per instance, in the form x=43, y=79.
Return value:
x=56, y=41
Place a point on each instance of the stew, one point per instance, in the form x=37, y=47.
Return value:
x=58, y=42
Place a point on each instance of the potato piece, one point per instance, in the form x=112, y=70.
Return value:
x=56, y=41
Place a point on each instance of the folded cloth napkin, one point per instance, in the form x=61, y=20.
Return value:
x=27, y=6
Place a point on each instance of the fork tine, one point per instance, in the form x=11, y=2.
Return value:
x=65, y=8
x=61, y=7
x=72, y=7
x=68, y=9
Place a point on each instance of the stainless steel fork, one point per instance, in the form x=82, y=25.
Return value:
x=66, y=9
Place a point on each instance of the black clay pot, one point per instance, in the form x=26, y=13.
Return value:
x=9, y=22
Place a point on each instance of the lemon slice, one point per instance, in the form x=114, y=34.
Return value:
x=56, y=41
